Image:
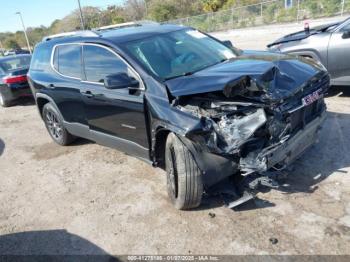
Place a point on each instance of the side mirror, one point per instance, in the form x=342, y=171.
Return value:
x=346, y=35
x=121, y=80
x=228, y=43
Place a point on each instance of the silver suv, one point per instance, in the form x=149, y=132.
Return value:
x=328, y=44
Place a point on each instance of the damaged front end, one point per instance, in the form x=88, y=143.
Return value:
x=255, y=128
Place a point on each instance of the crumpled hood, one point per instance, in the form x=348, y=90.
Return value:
x=278, y=75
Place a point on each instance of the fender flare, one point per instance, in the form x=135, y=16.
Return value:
x=45, y=96
x=214, y=168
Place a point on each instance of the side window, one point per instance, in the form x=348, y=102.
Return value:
x=346, y=28
x=99, y=62
x=67, y=60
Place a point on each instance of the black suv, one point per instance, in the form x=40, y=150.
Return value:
x=181, y=100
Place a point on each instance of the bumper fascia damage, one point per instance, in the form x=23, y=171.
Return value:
x=258, y=168
x=216, y=167
x=286, y=152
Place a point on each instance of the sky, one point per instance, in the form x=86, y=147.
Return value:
x=41, y=12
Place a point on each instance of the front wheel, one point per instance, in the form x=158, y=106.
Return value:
x=184, y=178
x=54, y=125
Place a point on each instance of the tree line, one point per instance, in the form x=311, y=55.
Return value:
x=130, y=10
x=156, y=10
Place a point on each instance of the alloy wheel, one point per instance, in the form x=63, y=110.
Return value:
x=54, y=125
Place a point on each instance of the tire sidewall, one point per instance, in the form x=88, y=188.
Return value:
x=3, y=101
x=169, y=146
x=179, y=201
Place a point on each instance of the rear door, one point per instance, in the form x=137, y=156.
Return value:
x=64, y=86
x=114, y=116
x=339, y=55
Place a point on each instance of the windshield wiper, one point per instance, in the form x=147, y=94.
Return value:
x=192, y=72
x=184, y=74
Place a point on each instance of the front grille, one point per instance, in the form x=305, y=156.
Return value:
x=305, y=115
x=299, y=118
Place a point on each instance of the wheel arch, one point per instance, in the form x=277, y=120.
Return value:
x=160, y=137
x=42, y=100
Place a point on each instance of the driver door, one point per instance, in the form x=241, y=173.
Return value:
x=339, y=56
x=115, y=116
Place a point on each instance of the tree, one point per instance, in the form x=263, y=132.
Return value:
x=212, y=5
x=162, y=10
x=11, y=43
x=135, y=9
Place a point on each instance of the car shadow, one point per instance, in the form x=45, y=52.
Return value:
x=328, y=156
x=2, y=146
x=81, y=141
x=342, y=91
x=322, y=160
x=25, y=101
x=51, y=245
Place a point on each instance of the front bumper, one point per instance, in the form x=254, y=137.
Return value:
x=284, y=153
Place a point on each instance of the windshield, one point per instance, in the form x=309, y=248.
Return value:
x=333, y=26
x=15, y=63
x=178, y=53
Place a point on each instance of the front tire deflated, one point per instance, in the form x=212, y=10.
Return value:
x=184, y=178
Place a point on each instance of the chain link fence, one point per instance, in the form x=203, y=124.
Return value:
x=268, y=12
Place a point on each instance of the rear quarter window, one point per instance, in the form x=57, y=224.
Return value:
x=41, y=59
x=67, y=60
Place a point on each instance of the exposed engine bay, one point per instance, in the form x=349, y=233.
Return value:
x=244, y=124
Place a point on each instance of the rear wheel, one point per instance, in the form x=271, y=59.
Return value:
x=3, y=101
x=184, y=178
x=54, y=124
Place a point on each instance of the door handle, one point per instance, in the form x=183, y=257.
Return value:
x=88, y=94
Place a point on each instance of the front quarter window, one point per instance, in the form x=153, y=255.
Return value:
x=178, y=53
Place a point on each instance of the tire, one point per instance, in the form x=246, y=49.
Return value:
x=54, y=125
x=3, y=101
x=184, y=178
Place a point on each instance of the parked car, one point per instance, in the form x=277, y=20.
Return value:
x=180, y=100
x=328, y=44
x=13, y=78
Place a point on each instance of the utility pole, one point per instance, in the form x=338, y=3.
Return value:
x=81, y=16
x=342, y=7
x=298, y=11
x=146, y=8
x=25, y=31
x=2, y=49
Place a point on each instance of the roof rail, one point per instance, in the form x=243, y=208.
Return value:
x=74, y=33
x=124, y=25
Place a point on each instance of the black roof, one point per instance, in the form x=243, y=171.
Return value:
x=138, y=32
x=118, y=35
